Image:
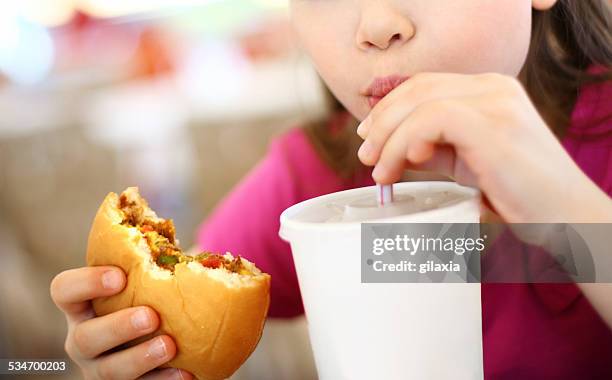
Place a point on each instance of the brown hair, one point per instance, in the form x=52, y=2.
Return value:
x=566, y=40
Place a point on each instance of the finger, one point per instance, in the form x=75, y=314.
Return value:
x=98, y=335
x=419, y=89
x=446, y=122
x=72, y=289
x=442, y=161
x=391, y=164
x=445, y=161
x=383, y=123
x=167, y=374
x=455, y=122
x=136, y=361
x=423, y=83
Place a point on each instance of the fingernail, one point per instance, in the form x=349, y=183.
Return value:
x=157, y=349
x=177, y=375
x=360, y=129
x=140, y=320
x=111, y=279
x=366, y=149
x=363, y=126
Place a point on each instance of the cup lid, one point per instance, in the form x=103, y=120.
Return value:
x=417, y=202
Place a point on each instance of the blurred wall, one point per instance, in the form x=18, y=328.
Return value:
x=158, y=101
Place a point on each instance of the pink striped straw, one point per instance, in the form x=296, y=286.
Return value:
x=385, y=194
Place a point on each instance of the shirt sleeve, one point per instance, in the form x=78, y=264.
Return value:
x=246, y=223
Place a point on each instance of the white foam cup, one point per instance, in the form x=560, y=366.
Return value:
x=383, y=330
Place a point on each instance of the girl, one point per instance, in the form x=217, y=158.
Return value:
x=510, y=96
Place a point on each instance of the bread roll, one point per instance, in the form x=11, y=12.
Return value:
x=215, y=313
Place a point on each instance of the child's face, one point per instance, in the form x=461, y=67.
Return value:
x=352, y=42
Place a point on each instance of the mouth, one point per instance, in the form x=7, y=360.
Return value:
x=381, y=86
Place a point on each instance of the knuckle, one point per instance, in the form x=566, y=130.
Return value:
x=505, y=105
x=80, y=341
x=508, y=132
x=506, y=83
x=440, y=109
x=422, y=86
x=117, y=326
x=491, y=77
x=87, y=374
x=377, y=139
x=104, y=371
x=421, y=77
x=441, y=106
x=385, y=124
x=375, y=115
x=421, y=111
x=444, y=104
x=496, y=79
x=69, y=348
x=511, y=86
x=376, y=134
x=505, y=110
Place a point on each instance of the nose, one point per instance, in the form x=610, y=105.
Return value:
x=381, y=26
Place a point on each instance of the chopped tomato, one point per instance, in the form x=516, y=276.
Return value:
x=146, y=228
x=212, y=261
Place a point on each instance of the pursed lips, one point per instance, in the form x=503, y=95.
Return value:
x=381, y=86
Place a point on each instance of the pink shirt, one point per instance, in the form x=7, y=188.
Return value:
x=530, y=331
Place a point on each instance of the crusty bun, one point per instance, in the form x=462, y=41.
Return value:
x=215, y=315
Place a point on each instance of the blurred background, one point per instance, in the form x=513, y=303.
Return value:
x=178, y=97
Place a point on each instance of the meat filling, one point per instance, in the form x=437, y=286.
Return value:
x=160, y=237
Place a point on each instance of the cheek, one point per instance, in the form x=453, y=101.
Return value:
x=482, y=36
x=313, y=35
x=314, y=23
x=316, y=30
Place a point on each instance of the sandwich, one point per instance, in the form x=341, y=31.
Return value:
x=213, y=305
